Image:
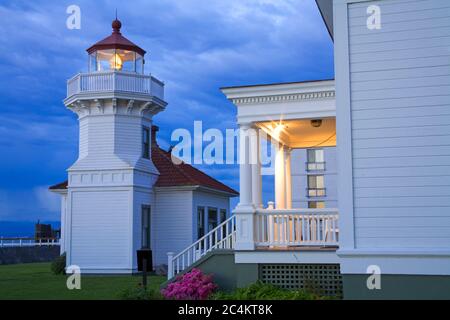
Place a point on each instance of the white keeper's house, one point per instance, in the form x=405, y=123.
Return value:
x=387, y=113
x=124, y=192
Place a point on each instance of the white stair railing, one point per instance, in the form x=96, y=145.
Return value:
x=221, y=238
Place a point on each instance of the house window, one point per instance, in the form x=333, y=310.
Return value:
x=145, y=143
x=316, y=186
x=316, y=160
x=212, y=218
x=316, y=204
x=200, y=222
x=146, y=227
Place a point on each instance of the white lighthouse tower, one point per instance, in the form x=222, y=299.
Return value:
x=111, y=184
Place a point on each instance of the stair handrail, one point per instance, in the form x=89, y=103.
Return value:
x=229, y=226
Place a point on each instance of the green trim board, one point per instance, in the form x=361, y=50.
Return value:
x=399, y=287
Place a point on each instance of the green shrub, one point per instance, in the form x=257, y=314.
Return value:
x=139, y=293
x=59, y=264
x=262, y=291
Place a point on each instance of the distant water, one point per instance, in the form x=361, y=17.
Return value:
x=22, y=228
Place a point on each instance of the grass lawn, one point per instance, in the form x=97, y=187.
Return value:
x=35, y=281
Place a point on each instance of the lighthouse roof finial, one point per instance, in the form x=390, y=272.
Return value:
x=116, y=41
x=116, y=25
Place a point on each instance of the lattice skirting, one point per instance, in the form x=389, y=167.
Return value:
x=323, y=279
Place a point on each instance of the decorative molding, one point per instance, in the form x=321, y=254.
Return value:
x=130, y=106
x=80, y=108
x=144, y=107
x=100, y=178
x=285, y=97
x=114, y=105
x=99, y=105
x=93, y=107
x=151, y=108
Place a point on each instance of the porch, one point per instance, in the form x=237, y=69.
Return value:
x=289, y=235
x=286, y=117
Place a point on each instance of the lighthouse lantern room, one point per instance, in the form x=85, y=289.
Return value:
x=116, y=53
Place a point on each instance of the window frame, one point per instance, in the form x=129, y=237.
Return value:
x=315, y=165
x=146, y=236
x=201, y=222
x=146, y=144
x=315, y=191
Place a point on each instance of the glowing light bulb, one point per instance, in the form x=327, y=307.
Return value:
x=278, y=129
x=116, y=62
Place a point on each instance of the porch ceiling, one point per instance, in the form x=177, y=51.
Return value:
x=301, y=133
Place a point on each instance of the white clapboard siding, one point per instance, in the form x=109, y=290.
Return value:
x=83, y=139
x=127, y=136
x=420, y=111
x=100, y=229
x=400, y=101
x=412, y=191
x=380, y=133
x=394, y=13
x=404, y=212
x=386, y=162
x=112, y=141
x=172, y=221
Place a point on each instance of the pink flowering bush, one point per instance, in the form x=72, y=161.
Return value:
x=194, y=285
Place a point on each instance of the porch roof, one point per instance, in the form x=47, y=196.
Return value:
x=275, y=84
x=292, y=105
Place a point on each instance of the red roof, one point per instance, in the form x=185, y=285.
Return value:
x=116, y=41
x=173, y=175
x=182, y=174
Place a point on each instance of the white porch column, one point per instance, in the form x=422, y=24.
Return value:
x=288, y=178
x=280, y=178
x=256, y=170
x=245, y=168
x=245, y=210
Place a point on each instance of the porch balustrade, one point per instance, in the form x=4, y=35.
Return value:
x=296, y=227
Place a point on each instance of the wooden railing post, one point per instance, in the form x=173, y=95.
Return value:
x=170, y=271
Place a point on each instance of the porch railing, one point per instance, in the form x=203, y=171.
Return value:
x=115, y=81
x=222, y=237
x=297, y=227
x=27, y=242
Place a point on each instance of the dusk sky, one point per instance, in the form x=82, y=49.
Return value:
x=195, y=47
